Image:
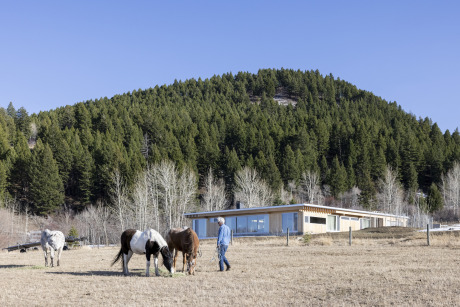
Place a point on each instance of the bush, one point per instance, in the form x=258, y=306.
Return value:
x=306, y=238
x=74, y=234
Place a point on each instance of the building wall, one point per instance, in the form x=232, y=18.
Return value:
x=312, y=227
x=314, y=222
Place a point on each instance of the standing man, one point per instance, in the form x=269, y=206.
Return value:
x=223, y=239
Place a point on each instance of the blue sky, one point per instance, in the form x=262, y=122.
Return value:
x=57, y=53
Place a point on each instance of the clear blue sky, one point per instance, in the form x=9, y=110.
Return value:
x=57, y=53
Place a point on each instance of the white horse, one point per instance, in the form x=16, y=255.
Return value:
x=149, y=242
x=52, y=241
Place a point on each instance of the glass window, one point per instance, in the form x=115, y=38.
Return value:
x=231, y=223
x=289, y=220
x=199, y=225
x=252, y=223
x=317, y=220
x=262, y=225
x=307, y=219
x=248, y=224
x=365, y=223
x=332, y=224
x=242, y=224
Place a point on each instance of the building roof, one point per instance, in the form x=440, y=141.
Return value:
x=288, y=208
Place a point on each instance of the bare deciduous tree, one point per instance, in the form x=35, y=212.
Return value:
x=94, y=224
x=141, y=205
x=310, y=189
x=159, y=198
x=417, y=212
x=166, y=180
x=451, y=188
x=214, y=193
x=174, y=192
x=251, y=190
x=186, y=194
x=119, y=198
x=285, y=196
x=350, y=198
x=391, y=195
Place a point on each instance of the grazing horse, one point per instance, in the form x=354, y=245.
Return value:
x=185, y=241
x=149, y=242
x=52, y=241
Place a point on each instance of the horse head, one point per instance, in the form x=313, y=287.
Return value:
x=168, y=258
x=191, y=262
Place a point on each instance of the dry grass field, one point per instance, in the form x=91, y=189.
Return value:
x=394, y=267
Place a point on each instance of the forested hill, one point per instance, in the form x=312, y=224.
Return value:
x=280, y=122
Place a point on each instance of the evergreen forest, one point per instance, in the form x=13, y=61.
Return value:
x=282, y=123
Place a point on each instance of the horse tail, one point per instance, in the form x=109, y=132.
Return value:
x=115, y=260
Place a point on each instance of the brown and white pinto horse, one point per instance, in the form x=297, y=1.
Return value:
x=185, y=241
x=149, y=242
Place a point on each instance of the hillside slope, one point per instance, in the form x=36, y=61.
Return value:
x=280, y=122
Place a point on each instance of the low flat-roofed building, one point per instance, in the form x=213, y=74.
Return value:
x=299, y=219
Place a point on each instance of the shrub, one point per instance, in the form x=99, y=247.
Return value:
x=306, y=238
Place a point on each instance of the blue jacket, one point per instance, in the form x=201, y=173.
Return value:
x=224, y=235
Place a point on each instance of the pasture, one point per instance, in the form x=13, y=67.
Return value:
x=378, y=270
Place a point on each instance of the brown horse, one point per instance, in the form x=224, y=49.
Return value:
x=185, y=241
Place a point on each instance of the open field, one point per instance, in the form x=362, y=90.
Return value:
x=396, y=268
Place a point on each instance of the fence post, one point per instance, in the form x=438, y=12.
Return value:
x=349, y=236
x=231, y=238
x=287, y=237
x=428, y=234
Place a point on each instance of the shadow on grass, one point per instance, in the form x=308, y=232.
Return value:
x=89, y=273
x=132, y=273
x=12, y=266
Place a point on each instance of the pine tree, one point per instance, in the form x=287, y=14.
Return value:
x=289, y=168
x=434, y=200
x=23, y=121
x=46, y=189
x=19, y=175
x=3, y=181
x=338, y=178
x=232, y=165
x=83, y=168
x=11, y=111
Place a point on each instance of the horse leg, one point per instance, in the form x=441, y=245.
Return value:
x=192, y=265
x=184, y=258
x=125, y=262
x=46, y=257
x=147, y=268
x=175, y=258
x=59, y=251
x=155, y=261
x=52, y=256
